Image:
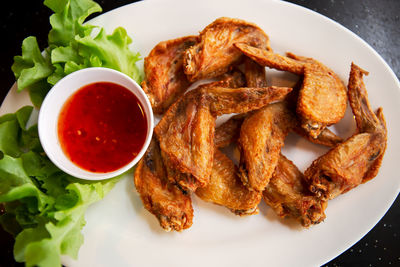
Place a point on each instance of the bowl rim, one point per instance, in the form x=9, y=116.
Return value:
x=54, y=102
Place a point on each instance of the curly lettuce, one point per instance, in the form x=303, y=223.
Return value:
x=44, y=207
x=72, y=45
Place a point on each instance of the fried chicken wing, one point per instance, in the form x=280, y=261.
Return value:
x=357, y=159
x=165, y=80
x=185, y=154
x=167, y=202
x=322, y=98
x=226, y=189
x=269, y=59
x=186, y=181
x=229, y=131
x=232, y=79
x=261, y=138
x=214, y=54
x=186, y=132
x=287, y=194
x=241, y=100
x=256, y=77
x=365, y=118
x=325, y=138
x=255, y=74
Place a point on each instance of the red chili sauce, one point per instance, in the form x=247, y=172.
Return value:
x=102, y=127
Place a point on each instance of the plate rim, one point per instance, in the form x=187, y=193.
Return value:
x=348, y=31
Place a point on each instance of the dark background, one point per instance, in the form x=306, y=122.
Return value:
x=377, y=22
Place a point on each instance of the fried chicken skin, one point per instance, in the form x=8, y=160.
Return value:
x=232, y=79
x=165, y=80
x=171, y=206
x=287, y=192
x=241, y=100
x=322, y=98
x=229, y=131
x=261, y=138
x=267, y=58
x=226, y=189
x=357, y=159
x=255, y=74
x=256, y=77
x=186, y=181
x=325, y=138
x=288, y=195
x=214, y=54
x=186, y=132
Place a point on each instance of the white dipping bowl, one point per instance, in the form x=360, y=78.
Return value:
x=54, y=102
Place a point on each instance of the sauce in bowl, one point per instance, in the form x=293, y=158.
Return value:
x=102, y=127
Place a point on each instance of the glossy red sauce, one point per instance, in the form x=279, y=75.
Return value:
x=102, y=127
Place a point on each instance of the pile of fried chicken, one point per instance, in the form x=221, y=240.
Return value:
x=185, y=154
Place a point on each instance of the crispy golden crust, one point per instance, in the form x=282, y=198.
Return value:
x=182, y=177
x=270, y=59
x=261, y=138
x=373, y=170
x=242, y=100
x=342, y=168
x=287, y=194
x=165, y=80
x=184, y=154
x=214, y=54
x=322, y=98
x=232, y=79
x=186, y=135
x=255, y=74
x=229, y=131
x=167, y=202
x=186, y=132
x=325, y=138
x=358, y=159
x=226, y=189
x=185, y=181
x=366, y=120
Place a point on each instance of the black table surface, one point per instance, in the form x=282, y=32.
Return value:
x=377, y=22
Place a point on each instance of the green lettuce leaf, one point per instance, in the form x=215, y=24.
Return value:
x=72, y=45
x=32, y=66
x=111, y=51
x=14, y=137
x=44, y=207
x=67, y=20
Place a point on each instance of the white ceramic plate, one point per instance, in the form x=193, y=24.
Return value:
x=120, y=232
